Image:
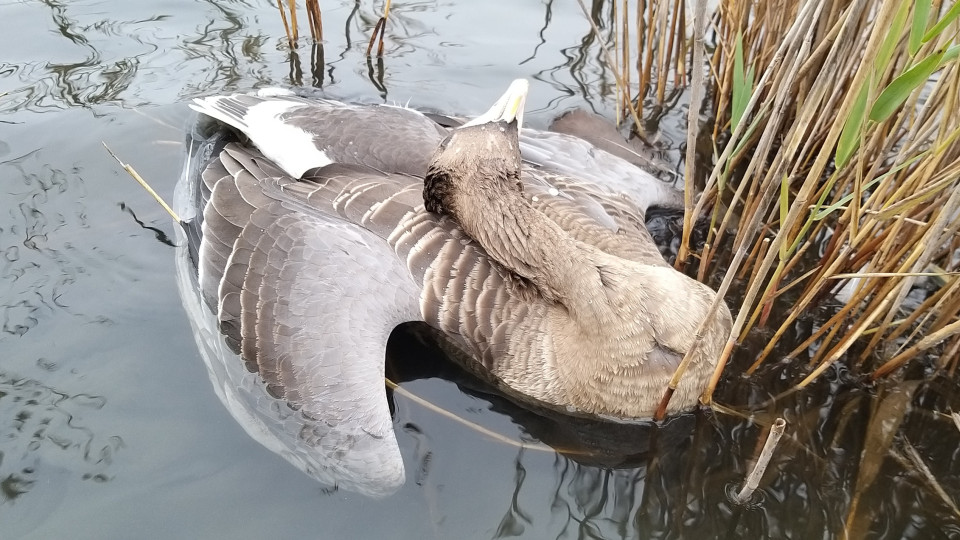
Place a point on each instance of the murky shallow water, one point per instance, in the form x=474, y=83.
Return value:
x=109, y=427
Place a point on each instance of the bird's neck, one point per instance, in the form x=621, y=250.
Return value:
x=525, y=241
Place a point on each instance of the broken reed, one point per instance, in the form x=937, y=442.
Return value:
x=844, y=120
x=316, y=24
x=314, y=20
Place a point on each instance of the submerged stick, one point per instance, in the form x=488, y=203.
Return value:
x=132, y=172
x=753, y=479
x=925, y=473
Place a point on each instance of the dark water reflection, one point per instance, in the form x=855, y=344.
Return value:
x=677, y=481
x=109, y=427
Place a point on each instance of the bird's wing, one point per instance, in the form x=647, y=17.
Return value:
x=299, y=134
x=271, y=263
x=572, y=157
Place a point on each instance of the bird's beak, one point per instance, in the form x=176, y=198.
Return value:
x=508, y=108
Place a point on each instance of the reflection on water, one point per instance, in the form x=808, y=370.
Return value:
x=686, y=490
x=45, y=417
x=43, y=427
x=106, y=415
x=678, y=480
x=37, y=267
x=88, y=77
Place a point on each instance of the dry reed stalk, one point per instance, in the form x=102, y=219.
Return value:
x=661, y=44
x=291, y=31
x=753, y=479
x=315, y=18
x=792, y=42
x=645, y=43
x=917, y=461
x=697, y=91
x=951, y=357
x=669, y=31
x=621, y=84
x=379, y=30
x=623, y=40
x=773, y=116
x=759, y=252
x=679, y=54
x=927, y=342
x=693, y=129
x=926, y=309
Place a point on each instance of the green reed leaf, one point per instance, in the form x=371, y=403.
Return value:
x=921, y=14
x=900, y=88
x=942, y=23
x=742, y=84
x=852, y=127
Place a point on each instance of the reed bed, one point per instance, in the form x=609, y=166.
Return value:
x=837, y=179
x=844, y=157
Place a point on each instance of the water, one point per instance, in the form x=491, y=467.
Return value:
x=109, y=427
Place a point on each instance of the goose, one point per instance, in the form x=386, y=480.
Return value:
x=315, y=227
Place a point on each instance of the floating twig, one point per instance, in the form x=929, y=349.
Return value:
x=132, y=172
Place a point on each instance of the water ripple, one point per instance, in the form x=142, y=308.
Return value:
x=39, y=423
x=35, y=267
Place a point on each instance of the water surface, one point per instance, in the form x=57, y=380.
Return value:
x=109, y=427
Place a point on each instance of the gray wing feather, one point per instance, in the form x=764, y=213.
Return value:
x=333, y=360
x=270, y=267
x=572, y=157
x=340, y=431
x=300, y=134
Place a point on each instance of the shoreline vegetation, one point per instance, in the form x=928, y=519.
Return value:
x=835, y=169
